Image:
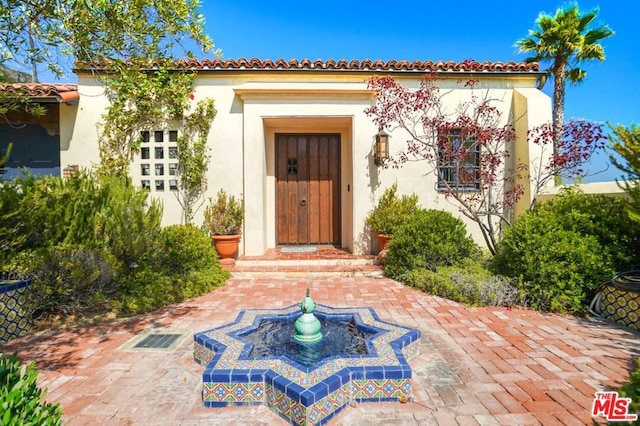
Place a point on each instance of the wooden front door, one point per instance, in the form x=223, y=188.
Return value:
x=308, y=189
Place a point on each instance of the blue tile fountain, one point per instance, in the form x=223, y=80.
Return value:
x=301, y=389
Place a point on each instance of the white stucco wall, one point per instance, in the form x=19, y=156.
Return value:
x=611, y=189
x=254, y=106
x=79, y=133
x=531, y=108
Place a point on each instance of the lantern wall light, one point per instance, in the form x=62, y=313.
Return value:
x=381, y=148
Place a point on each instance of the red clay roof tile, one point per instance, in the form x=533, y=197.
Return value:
x=366, y=65
x=356, y=65
x=66, y=92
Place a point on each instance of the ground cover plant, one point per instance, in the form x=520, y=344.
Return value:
x=446, y=264
x=469, y=282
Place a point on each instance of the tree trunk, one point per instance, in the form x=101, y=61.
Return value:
x=558, y=109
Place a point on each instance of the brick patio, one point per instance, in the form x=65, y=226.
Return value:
x=488, y=366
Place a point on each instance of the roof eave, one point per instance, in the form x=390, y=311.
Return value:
x=341, y=66
x=44, y=92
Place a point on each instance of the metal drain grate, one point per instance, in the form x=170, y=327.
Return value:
x=157, y=341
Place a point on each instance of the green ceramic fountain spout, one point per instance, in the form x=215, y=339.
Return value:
x=307, y=326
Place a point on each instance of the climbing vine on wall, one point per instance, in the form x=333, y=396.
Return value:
x=193, y=156
x=157, y=97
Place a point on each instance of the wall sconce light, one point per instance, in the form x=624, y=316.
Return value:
x=382, y=148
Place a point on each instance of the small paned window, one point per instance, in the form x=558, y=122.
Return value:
x=164, y=153
x=292, y=166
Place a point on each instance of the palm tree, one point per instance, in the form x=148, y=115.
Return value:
x=566, y=41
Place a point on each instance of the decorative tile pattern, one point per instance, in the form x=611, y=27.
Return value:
x=301, y=394
x=243, y=393
x=15, y=309
x=621, y=306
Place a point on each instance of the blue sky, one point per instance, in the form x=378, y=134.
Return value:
x=430, y=30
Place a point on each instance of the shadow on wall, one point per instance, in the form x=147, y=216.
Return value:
x=364, y=242
x=374, y=171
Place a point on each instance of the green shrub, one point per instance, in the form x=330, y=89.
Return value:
x=187, y=248
x=128, y=222
x=12, y=233
x=146, y=290
x=53, y=210
x=93, y=243
x=68, y=279
x=188, y=267
x=469, y=283
x=562, y=250
x=197, y=283
x=605, y=218
x=631, y=390
x=427, y=240
x=21, y=400
x=191, y=260
x=95, y=212
x=391, y=211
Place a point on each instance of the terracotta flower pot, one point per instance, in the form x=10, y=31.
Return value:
x=383, y=241
x=227, y=248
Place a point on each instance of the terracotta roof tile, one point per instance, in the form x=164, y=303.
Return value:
x=366, y=65
x=356, y=65
x=66, y=92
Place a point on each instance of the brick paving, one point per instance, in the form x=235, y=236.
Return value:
x=477, y=366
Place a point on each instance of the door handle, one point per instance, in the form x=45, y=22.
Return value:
x=303, y=202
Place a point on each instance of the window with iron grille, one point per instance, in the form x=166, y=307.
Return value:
x=458, y=162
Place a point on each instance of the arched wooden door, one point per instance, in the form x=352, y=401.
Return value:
x=308, y=188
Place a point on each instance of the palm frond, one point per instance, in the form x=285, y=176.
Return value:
x=576, y=75
x=596, y=34
x=590, y=52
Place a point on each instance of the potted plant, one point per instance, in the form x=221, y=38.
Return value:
x=223, y=219
x=390, y=212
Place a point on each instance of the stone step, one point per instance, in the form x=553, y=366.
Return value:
x=261, y=262
x=302, y=270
